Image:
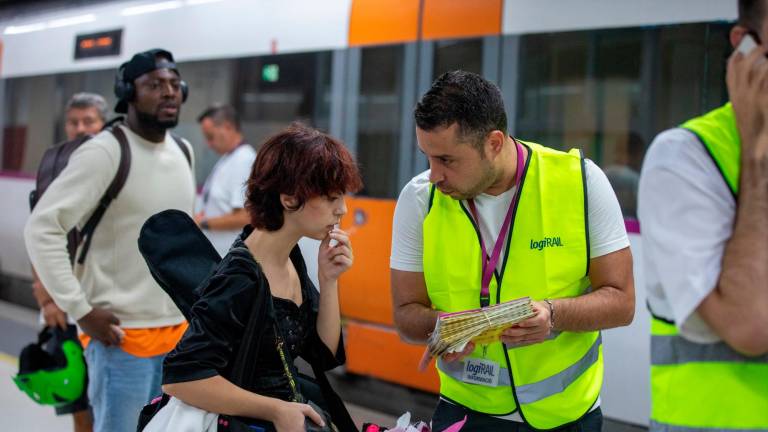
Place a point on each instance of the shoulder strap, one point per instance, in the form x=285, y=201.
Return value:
x=251, y=341
x=54, y=161
x=114, y=188
x=336, y=407
x=183, y=147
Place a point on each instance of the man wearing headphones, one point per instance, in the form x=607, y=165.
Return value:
x=129, y=323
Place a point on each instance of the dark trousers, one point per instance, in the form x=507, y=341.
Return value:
x=447, y=414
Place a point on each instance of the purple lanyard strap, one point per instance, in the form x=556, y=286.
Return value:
x=489, y=263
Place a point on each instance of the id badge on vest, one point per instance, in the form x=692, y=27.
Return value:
x=481, y=371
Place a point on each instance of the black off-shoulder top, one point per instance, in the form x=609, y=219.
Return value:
x=220, y=317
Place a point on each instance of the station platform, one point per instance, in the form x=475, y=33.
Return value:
x=19, y=327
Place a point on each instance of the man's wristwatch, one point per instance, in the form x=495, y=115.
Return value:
x=204, y=224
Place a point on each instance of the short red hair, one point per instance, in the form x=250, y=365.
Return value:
x=301, y=162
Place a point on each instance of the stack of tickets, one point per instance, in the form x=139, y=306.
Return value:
x=454, y=330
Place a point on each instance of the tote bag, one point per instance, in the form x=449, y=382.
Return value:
x=179, y=417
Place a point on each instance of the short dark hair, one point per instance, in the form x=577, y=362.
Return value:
x=465, y=98
x=302, y=162
x=219, y=113
x=751, y=14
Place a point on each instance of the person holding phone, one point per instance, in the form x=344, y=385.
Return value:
x=703, y=208
x=493, y=219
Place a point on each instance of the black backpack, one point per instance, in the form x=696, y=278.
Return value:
x=56, y=158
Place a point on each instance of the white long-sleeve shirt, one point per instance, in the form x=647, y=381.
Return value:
x=114, y=275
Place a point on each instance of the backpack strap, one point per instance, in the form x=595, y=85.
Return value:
x=251, y=339
x=54, y=161
x=183, y=147
x=114, y=188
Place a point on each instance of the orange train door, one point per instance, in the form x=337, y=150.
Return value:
x=373, y=346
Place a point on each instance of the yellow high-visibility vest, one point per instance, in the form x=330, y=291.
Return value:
x=547, y=256
x=707, y=386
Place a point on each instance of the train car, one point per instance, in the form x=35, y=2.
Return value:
x=602, y=75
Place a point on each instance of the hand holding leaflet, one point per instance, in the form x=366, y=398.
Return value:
x=481, y=326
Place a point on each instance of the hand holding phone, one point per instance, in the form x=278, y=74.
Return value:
x=747, y=45
x=747, y=76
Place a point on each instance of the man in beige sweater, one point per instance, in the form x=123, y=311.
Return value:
x=128, y=322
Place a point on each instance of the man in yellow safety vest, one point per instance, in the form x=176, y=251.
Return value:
x=703, y=207
x=494, y=219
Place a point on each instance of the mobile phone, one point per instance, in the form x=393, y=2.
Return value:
x=747, y=44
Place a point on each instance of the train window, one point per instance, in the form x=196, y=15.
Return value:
x=556, y=105
x=464, y=54
x=210, y=81
x=34, y=114
x=691, y=73
x=272, y=91
x=379, y=112
x=610, y=92
x=583, y=89
x=619, y=144
x=719, y=48
x=16, y=124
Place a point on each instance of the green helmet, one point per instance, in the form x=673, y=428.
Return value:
x=52, y=371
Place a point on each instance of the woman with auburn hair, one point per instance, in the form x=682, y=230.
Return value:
x=296, y=189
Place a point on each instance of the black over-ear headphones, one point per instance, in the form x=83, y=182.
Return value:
x=126, y=91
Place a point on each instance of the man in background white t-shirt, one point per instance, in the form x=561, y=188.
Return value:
x=222, y=215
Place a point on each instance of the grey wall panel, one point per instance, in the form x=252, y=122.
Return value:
x=426, y=54
x=351, y=93
x=509, y=78
x=338, y=80
x=406, y=168
x=491, y=58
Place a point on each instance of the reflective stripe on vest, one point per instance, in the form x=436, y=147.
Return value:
x=534, y=392
x=556, y=381
x=708, y=387
x=660, y=427
x=668, y=350
x=455, y=369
